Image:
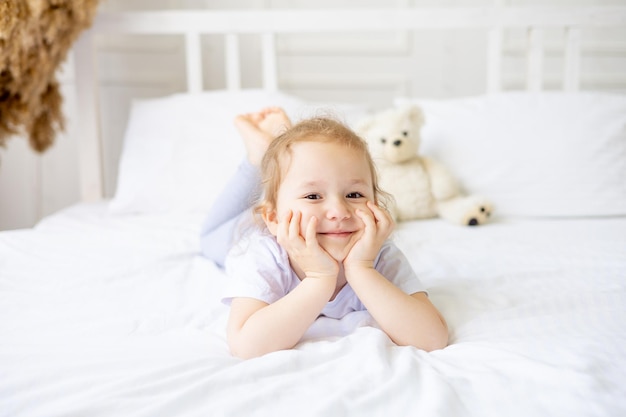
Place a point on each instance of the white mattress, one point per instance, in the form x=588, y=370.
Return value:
x=104, y=315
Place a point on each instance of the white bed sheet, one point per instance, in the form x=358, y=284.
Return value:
x=110, y=315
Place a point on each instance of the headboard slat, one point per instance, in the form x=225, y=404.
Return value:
x=571, y=75
x=232, y=64
x=193, y=55
x=494, y=60
x=88, y=124
x=534, y=67
x=314, y=20
x=270, y=70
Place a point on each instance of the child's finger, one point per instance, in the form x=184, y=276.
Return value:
x=294, y=225
x=283, y=225
x=311, y=236
x=369, y=226
x=368, y=220
x=382, y=216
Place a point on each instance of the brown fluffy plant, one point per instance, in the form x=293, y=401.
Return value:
x=35, y=37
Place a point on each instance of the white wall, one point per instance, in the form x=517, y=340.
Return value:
x=33, y=185
x=371, y=68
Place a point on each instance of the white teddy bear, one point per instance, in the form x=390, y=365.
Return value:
x=421, y=187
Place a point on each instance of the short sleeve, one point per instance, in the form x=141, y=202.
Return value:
x=255, y=268
x=394, y=266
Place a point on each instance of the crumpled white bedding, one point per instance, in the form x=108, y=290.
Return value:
x=104, y=315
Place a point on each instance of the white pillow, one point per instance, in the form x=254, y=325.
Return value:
x=179, y=151
x=534, y=154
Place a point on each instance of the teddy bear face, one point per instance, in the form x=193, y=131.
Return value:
x=394, y=135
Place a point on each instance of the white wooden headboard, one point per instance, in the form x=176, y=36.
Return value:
x=269, y=23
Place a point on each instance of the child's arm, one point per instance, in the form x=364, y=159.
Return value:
x=255, y=327
x=407, y=319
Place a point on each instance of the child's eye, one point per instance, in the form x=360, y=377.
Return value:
x=355, y=195
x=312, y=196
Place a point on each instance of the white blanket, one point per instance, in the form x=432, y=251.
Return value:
x=104, y=315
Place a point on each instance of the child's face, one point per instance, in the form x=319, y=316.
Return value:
x=328, y=181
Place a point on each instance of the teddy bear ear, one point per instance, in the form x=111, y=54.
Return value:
x=416, y=115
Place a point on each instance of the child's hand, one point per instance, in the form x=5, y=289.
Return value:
x=378, y=226
x=305, y=251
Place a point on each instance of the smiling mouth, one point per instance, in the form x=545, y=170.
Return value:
x=337, y=234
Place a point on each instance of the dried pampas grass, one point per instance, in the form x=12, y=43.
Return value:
x=35, y=37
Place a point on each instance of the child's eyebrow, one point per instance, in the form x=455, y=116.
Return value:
x=314, y=183
x=310, y=183
x=360, y=182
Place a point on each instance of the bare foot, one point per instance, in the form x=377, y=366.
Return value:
x=259, y=129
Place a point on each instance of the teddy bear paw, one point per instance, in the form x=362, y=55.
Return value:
x=478, y=215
